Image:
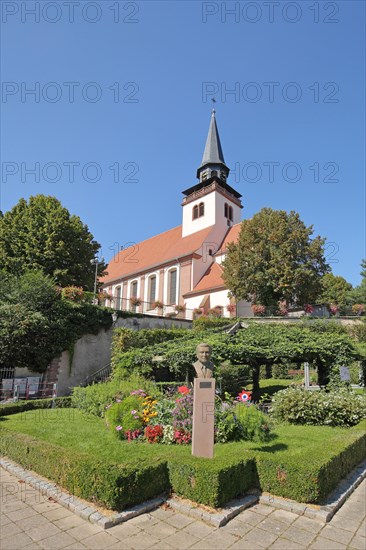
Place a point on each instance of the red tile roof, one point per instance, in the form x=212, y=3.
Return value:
x=158, y=250
x=211, y=280
x=231, y=237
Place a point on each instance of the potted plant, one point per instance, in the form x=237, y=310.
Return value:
x=258, y=310
x=134, y=301
x=103, y=296
x=179, y=308
x=333, y=309
x=231, y=308
x=358, y=309
x=157, y=305
x=198, y=311
x=282, y=309
x=308, y=308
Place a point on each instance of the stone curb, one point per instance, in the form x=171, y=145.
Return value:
x=77, y=506
x=326, y=511
x=91, y=513
x=219, y=518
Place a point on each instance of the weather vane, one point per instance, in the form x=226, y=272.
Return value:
x=213, y=104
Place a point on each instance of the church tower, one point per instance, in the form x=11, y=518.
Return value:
x=211, y=202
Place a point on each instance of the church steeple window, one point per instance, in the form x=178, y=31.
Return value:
x=228, y=212
x=198, y=211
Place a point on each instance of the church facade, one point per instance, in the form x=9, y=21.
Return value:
x=179, y=271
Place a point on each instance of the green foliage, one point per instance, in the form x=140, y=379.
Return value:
x=334, y=290
x=36, y=325
x=280, y=370
x=125, y=416
x=126, y=338
x=42, y=235
x=108, y=484
x=358, y=294
x=33, y=404
x=313, y=478
x=256, y=345
x=212, y=482
x=207, y=323
x=233, y=378
x=94, y=399
x=299, y=406
x=75, y=450
x=275, y=260
x=255, y=425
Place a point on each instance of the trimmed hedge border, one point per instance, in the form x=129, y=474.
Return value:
x=21, y=406
x=114, y=486
x=211, y=482
x=310, y=481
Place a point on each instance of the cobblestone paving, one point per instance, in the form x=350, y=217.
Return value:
x=30, y=520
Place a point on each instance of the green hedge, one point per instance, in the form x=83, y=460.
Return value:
x=114, y=486
x=234, y=470
x=21, y=406
x=310, y=480
x=212, y=482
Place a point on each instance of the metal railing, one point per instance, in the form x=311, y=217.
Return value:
x=101, y=375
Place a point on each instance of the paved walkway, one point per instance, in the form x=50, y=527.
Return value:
x=30, y=520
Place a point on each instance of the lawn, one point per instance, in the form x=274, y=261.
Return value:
x=72, y=429
x=78, y=452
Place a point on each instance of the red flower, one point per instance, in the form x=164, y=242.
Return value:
x=244, y=396
x=183, y=390
x=154, y=433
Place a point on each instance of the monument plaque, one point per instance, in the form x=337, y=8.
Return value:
x=203, y=417
x=203, y=403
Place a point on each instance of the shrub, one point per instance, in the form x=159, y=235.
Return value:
x=94, y=399
x=255, y=425
x=233, y=377
x=299, y=406
x=280, y=370
x=113, y=486
x=22, y=406
x=206, y=323
x=125, y=416
x=212, y=482
x=73, y=293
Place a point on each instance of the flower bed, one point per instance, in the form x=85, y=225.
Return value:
x=168, y=420
x=76, y=451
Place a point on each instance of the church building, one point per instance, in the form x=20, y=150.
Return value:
x=179, y=271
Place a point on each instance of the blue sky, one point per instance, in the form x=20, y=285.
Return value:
x=117, y=124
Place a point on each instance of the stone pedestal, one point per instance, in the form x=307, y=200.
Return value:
x=203, y=417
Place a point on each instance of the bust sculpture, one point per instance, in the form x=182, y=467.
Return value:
x=204, y=366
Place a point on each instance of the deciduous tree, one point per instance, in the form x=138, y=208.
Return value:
x=275, y=260
x=42, y=235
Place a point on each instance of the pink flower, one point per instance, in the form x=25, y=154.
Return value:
x=118, y=428
x=118, y=400
x=133, y=412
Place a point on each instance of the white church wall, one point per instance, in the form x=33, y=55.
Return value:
x=220, y=211
x=190, y=225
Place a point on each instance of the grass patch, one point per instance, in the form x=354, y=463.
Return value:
x=270, y=386
x=77, y=451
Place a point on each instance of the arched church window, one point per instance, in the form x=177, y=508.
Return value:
x=172, y=287
x=152, y=290
x=226, y=210
x=231, y=217
x=195, y=212
x=201, y=207
x=213, y=173
x=118, y=297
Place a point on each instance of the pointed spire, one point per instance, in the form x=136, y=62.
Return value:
x=213, y=157
x=213, y=151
